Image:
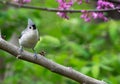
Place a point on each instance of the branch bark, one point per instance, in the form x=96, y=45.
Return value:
x=114, y=1
x=55, y=9
x=50, y=65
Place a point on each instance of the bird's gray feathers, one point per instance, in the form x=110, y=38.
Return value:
x=29, y=36
x=22, y=33
x=30, y=22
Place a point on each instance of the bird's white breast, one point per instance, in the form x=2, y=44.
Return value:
x=29, y=38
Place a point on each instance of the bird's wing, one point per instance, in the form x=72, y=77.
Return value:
x=22, y=33
x=38, y=36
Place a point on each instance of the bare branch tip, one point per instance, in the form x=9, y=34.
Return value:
x=18, y=56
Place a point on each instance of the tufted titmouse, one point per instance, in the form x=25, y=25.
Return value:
x=29, y=37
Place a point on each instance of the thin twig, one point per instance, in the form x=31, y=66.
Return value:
x=55, y=9
x=114, y=1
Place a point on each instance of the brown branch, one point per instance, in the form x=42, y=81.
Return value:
x=114, y=1
x=55, y=9
x=50, y=65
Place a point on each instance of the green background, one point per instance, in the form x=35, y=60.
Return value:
x=91, y=48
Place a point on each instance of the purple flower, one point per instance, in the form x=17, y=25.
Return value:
x=80, y=1
x=101, y=4
x=26, y=1
x=63, y=5
x=104, y=4
x=86, y=15
x=99, y=15
x=21, y=2
x=63, y=15
x=87, y=1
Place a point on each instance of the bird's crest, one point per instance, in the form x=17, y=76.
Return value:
x=30, y=22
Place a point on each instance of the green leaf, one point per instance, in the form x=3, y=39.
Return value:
x=105, y=67
x=95, y=70
x=47, y=41
x=113, y=30
x=85, y=70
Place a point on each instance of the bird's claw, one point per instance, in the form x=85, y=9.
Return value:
x=35, y=56
x=18, y=56
x=20, y=50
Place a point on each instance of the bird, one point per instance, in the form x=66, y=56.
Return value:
x=29, y=37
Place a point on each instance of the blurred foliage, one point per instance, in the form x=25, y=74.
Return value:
x=91, y=48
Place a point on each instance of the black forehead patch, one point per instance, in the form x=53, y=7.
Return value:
x=34, y=27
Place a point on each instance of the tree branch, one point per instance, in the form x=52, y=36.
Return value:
x=55, y=9
x=114, y=1
x=52, y=66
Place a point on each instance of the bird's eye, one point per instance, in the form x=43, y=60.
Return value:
x=30, y=27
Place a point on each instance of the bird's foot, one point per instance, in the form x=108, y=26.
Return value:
x=18, y=56
x=35, y=56
x=20, y=50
